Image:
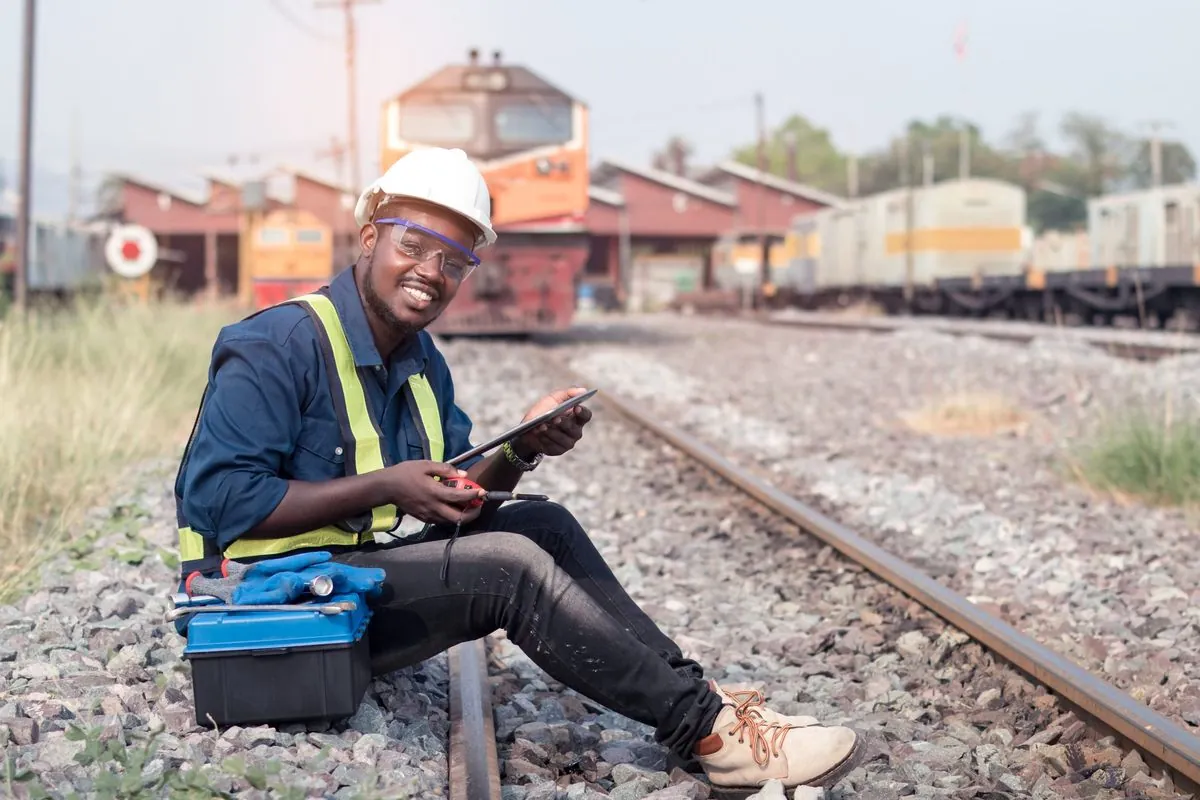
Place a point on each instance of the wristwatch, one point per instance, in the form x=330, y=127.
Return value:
x=511, y=456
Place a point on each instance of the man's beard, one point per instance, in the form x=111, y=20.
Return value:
x=382, y=310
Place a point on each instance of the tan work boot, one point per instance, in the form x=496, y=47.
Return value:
x=750, y=744
x=749, y=697
x=738, y=694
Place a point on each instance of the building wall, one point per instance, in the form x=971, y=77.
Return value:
x=166, y=214
x=602, y=219
x=223, y=198
x=778, y=208
x=658, y=210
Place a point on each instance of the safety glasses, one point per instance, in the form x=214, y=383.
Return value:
x=420, y=245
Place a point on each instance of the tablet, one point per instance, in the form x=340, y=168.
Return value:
x=522, y=428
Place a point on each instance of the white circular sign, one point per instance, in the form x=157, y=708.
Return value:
x=131, y=251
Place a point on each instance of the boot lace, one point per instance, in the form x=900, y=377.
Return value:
x=766, y=737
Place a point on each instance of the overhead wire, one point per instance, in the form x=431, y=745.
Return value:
x=300, y=24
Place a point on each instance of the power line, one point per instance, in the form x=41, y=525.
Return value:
x=300, y=24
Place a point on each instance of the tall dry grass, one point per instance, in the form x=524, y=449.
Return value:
x=1145, y=452
x=84, y=392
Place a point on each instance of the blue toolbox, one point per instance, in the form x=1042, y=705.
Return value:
x=307, y=661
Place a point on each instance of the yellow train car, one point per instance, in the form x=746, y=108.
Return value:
x=288, y=252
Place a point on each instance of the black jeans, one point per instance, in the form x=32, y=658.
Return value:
x=530, y=569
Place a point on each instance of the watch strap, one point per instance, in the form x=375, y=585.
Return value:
x=511, y=456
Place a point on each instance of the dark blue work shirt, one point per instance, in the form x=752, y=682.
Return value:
x=269, y=416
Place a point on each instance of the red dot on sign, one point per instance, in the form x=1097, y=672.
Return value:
x=130, y=250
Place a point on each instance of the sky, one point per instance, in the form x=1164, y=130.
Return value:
x=166, y=88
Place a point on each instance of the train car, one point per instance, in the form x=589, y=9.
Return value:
x=289, y=252
x=963, y=248
x=929, y=248
x=1138, y=258
x=530, y=140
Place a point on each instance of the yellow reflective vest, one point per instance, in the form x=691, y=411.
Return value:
x=364, y=447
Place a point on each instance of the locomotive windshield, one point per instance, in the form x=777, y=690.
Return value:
x=437, y=123
x=534, y=121
x=484, y=124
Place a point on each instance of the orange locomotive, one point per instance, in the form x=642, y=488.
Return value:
x=530, y=141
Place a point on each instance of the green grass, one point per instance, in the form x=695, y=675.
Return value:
x=1151, y=456
x=87, y=391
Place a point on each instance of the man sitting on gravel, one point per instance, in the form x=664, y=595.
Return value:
x=280, y=461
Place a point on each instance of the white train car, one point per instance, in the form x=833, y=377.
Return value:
x=1151, y=228
x=958, y=231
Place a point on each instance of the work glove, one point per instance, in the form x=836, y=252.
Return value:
x=282, y=580
x=284, y=587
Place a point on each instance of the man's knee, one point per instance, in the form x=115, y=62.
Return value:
x=545, y=515
x=516, y=552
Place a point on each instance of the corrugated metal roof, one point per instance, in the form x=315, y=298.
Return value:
x=606, y=196
x=674, y=181
x=784, y=185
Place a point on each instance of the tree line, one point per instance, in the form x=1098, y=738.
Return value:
x=1097, y=158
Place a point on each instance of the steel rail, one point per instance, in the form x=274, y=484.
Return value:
x=473, y=767
x=1135, y=350
x=1165, y=744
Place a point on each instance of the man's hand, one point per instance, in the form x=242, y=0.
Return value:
x=410, y=485
x=561, y=433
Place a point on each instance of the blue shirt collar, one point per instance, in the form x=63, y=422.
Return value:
x=344, y=293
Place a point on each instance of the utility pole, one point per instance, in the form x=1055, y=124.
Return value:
x=25, y=148
x=764, y=267
x=75, y=179
x=964, y=151
x=347, y=7
x=1156, y=163
x=793, y=169
x=906, y=173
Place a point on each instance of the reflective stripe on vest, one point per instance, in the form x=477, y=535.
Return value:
x=364, y=449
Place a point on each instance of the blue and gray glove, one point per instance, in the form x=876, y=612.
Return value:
x=282, y=580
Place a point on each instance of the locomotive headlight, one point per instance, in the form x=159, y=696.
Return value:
x=544, y=166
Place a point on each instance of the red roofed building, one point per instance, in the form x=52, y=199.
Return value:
x=664, y=224
x=197, y=237
x=767, y=205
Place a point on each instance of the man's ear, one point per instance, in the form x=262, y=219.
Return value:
x=368, y=235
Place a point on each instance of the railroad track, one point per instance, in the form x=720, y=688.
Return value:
x=474, y=770
x=1164, y=744
x=1137, y=345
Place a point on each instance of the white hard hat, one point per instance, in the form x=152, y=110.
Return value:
x=446, y=178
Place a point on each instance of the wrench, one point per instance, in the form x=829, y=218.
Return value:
x=179, y=599
x=326, y=608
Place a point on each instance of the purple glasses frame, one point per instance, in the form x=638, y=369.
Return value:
x=471, y=257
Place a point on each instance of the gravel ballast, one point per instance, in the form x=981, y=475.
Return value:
x=739, y=590
x=1113, y=586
